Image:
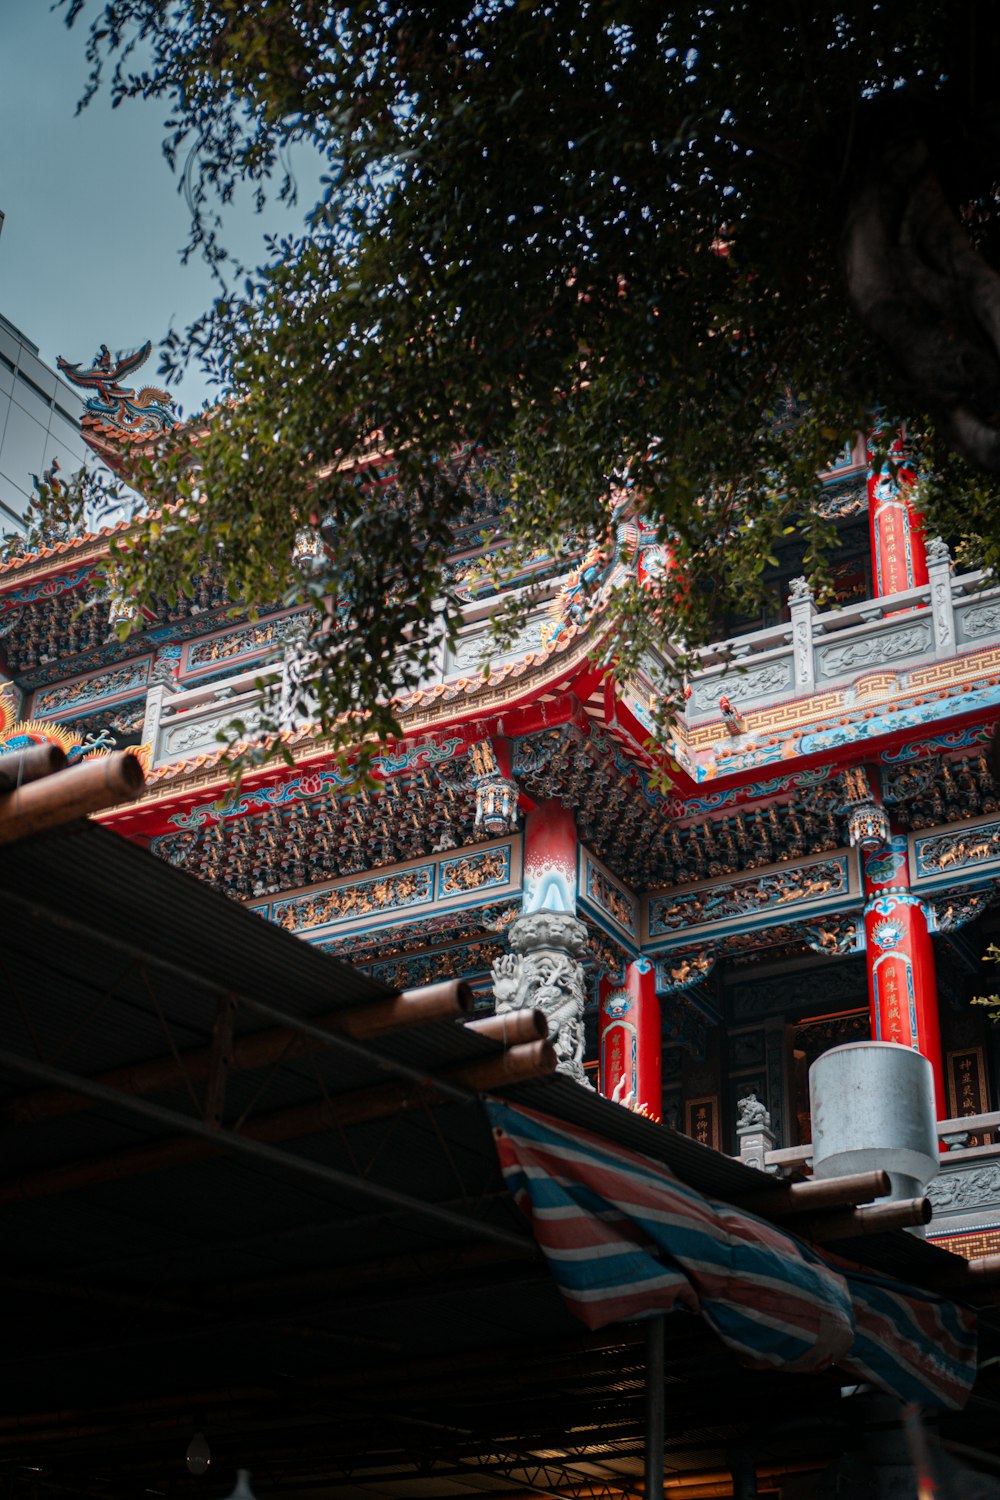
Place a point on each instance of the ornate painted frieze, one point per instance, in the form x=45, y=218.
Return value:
x=68, y=697
x=310, y=828
x=847, y=497
x=608, y=896
x=809, y=784
x=607, y=956
x=356, y=901
x=46, y=588
x=459, y=962
x=115, y=726
x=835, y=936
x=245, y=640
x=932, y=790
x=440, y=881
x=682, y=971
x=741, y=900
x=306, y=785
x=961, y=850
x=474, y=872
x=957, y=909
x=417, y=757
x=434, y=928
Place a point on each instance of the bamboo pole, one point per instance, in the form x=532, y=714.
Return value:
x=417, y=1007
x=81, y=789
x=512, y=1027
x=973, y=1278
x=526, y=1060
x=359, y=1106
x=30, y=765
x=450, y=998
x=876, y=1218
x=795, y=1198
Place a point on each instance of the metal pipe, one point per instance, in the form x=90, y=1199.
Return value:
x=656, y=1436
x=259, y=1151
x=81, y=789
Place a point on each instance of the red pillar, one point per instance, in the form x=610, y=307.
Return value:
x=902, y=985
x=550, y=858
x=899, y=559
x=629, y=1043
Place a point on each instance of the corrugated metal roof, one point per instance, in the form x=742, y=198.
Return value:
x=343, y=1340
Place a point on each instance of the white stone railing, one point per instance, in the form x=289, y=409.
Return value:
x=952, y=1132
x=811, y=650
x=180, y=725
x=816, y=649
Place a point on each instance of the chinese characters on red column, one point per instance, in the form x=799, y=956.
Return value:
x=899, y=560
x=629, y=1040
x=902, y=986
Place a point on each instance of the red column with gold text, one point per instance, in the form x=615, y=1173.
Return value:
x=899, y=559
x=629, y=1040
x=902, y=985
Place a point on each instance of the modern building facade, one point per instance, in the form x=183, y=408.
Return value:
x=39, y=423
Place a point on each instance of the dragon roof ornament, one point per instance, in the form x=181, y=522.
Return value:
x=143, y=413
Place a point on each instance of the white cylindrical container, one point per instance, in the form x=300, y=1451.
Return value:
x=873, y=1107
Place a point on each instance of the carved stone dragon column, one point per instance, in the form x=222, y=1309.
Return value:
x=544, y=971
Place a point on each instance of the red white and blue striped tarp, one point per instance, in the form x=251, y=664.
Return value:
x=625, y=1239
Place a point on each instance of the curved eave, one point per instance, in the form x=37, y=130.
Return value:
x=465, y=703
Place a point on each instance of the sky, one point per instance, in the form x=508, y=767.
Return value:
x=94, y=226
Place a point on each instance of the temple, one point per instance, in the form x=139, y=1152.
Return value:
x=810, y=859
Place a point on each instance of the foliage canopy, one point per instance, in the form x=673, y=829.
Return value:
x=683, y=249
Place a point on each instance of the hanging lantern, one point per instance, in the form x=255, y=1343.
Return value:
x=199, y=1455
x=496, y=806
x=122, y=611
x=308, y=546
x=868, y=826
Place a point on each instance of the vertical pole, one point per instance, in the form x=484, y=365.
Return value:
x=899, y=558
x=630, y=1042
x=902, y=983
x=656, y=1436
x=744, y=1473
